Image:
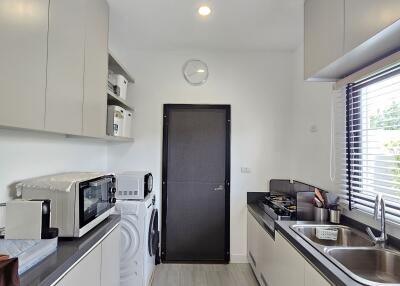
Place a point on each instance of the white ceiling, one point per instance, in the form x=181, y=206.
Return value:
x=233, y=25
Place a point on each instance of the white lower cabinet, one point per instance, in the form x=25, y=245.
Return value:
x=267, y=258
x=100, y=267
x=86, y=272
x=110, y=254
x=277, y=262
x=253, y=244
x=312, y=276
x=288, y=265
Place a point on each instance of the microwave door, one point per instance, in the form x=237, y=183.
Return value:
x=94, y=199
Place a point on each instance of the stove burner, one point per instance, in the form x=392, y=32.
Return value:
x=280, y=207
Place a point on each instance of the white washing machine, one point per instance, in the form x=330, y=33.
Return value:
x=139, y=240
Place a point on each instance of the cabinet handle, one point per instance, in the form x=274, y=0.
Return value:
x=252, y=259
x=219, y=188
x=263, y=280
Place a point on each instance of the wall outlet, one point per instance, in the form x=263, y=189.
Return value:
x=245, y=170
x=313, y=128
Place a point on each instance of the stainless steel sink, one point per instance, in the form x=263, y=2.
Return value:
x=346, y=236
x=355, y=254
x=371, y=266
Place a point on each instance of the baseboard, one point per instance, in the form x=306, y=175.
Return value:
x=239, y=258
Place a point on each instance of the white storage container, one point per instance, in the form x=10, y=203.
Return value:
x=115, y=120
x=128, y=124
x=122, y=86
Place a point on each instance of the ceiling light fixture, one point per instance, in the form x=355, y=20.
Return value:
x=204, y=11
x=201, y=71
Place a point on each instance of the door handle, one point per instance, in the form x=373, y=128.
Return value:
x=219, y=188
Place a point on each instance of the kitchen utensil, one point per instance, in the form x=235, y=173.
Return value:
x=334, y=216
x=330, y=199
x=318, y=203
x=319, y=195
x=321, y=214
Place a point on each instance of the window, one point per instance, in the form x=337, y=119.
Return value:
x=373, y=142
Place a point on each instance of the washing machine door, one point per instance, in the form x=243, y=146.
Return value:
x=153, y=238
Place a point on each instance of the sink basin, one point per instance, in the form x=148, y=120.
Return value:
x=346, y=236
x=371, y=266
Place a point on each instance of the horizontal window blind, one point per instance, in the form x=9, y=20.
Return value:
x=369, y=153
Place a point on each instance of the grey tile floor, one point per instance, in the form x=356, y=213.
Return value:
x=204, y=275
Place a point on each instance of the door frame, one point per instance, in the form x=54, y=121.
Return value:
x=167, y=108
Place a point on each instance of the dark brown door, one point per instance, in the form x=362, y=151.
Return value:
x=196, y=180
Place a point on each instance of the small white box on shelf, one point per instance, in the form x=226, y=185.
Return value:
x=115, y=120
x=128, y=124
x=121, y=86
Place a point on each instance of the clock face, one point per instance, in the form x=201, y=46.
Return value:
x=195, y=72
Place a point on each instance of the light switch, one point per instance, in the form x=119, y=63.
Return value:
x=245, y=170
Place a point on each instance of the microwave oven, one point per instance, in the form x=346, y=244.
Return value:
x=133, y=185
x=79, y=201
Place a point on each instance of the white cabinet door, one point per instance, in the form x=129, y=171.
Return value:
x=289, y=264
x=312, y=276
x=23, y=52
x=252, y=243
x=66, y=47
x=366, y=18
x=86, y=272
x=323, y=34
x=96, y=69
x=110, y=257
x=267, y=258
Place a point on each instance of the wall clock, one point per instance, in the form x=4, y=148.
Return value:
x=195, y=72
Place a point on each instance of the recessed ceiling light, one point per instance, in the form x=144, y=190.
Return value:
x=201, y=71
x=204, y=11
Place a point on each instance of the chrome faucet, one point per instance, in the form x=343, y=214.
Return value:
x=383, y=237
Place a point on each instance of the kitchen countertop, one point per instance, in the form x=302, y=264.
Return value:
x=68, y=252
x=323, y=264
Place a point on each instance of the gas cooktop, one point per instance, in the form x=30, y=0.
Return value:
x=279, y=207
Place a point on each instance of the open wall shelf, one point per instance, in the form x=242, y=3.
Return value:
x=118, y=68
x=112, y=99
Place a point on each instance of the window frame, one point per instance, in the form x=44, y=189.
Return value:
x=354, y=114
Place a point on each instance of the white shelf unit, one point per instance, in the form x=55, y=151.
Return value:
x=115, y=65
x=112, y=99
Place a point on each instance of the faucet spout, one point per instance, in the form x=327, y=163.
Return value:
x=379, y=202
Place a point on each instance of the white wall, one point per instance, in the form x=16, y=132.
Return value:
x=257, y=85
x=25, y=154
x=311, y=104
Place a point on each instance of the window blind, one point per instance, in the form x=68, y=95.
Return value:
x=369, y=153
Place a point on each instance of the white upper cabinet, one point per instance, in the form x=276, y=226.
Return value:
x=96, y=69
x=366, y=18
x=341, y=36
x=324, y=34
x=23, y=51
x=54, y=63
x=65, y=67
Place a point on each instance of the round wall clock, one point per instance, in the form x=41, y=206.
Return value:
x=195, y=72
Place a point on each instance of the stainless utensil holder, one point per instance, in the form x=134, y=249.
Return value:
x=321, y=214
x=334, y=216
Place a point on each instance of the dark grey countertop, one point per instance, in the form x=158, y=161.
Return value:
x=323, y=264
x=68, y=252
